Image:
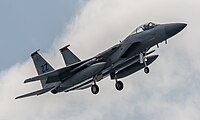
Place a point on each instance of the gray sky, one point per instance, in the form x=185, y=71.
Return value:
x=169, y=92
x=29, y=25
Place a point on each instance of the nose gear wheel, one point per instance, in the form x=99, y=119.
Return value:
x=95, y=89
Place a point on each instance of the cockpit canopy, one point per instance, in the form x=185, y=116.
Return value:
x=144, y=27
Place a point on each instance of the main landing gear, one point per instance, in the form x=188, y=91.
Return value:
x=95, y=87
x=119, y=84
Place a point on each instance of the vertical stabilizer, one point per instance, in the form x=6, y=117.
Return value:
x=41, y=65
x=68, y=56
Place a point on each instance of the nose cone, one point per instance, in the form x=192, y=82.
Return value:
x=174, y=28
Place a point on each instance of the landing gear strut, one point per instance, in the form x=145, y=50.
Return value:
x=95, y=87
x=146, y=68
x=119, y=84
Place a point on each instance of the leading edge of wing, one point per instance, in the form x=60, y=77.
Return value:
x=38, y=92
x=55, y=72
x=45, y=75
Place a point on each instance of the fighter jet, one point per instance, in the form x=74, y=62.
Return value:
x=121, y=60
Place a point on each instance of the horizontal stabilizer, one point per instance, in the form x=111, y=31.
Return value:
x=39, y=92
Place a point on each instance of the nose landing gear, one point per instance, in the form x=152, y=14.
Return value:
x=95, y=89
x=146, y=70
x=143, y=60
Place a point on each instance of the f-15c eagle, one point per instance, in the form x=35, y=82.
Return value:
x=121, y=60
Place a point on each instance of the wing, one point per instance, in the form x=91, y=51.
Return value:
x=123, y=50
x=46, y=75
x=56, y=73
x=39, y=92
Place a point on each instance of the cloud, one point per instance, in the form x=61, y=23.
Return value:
x=170, y=91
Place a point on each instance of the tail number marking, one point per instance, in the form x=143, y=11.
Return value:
x=44, y=68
